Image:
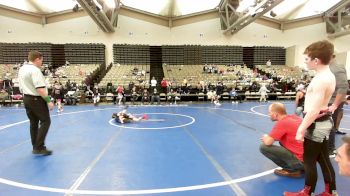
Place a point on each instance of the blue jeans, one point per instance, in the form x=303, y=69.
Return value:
x=282, y=157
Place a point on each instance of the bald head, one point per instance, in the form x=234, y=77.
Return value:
x=277, y=111
x=278, y=108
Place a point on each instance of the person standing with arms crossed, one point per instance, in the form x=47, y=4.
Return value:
x=36, y=101
x=315, y=128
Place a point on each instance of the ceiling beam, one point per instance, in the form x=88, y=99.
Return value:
x=65, y=15
x=269, y=22
x=337, y=19
x=339, y=34
x=196, y=17
x=35, y=6
x=156, y=19
x=171, y=12
x=92, y=15
x=142, y=15
x=20, y=14
x=43, y=20
x=259, y=10
x=114, y=17
x=95, y=11
x=227, y=13
x=301, y=22
x=336, y=7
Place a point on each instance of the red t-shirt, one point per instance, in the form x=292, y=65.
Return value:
x=163, y=83
x=120, y=90
x=285, y=131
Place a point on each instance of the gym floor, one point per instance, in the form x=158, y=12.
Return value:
x=185, y=149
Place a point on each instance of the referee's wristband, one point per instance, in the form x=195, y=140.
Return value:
x=47, y=99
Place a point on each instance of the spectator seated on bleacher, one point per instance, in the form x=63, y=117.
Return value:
x=88, y=92
x=134, y=95
x=211, y=95
x=155, y=97
x=7, y=84
x=234, y=96
x=110, y=88
x=172, y=96
x=145, y=96
x=3, y=96
x=17, y=97
x=71, y=97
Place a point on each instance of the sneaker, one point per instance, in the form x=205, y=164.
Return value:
x=326, y=193
x=145, y=117
x=305, y=192
x=332, y=153
x=44, y=152
x=340, y=132
x=283, y=172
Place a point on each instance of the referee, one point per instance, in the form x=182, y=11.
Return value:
x=36, y=101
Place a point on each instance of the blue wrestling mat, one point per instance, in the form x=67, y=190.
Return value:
x=194, y=149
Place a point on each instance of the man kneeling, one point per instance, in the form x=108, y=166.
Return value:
x=289, y=155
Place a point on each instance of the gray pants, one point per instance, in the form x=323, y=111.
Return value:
x=282, y=157
x=299, y=111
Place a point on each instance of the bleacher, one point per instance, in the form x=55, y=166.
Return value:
x=74, y=72
x=179, y=63
x=195, y=74
x=124, y=74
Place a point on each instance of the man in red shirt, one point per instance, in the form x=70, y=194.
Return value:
x=289, y=155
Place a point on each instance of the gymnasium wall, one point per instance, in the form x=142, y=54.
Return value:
x=134, y=31
x=290, y=55
x=348, y=64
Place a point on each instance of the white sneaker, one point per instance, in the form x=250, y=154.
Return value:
x=332, y=154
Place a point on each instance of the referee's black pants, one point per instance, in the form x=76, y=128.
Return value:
x=335, y=117
x=37, y=111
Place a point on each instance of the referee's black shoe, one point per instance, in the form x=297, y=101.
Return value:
x=340, y=132
x=44, y=152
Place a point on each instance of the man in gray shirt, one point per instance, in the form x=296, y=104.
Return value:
x=337, y=101
x=36, y=101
